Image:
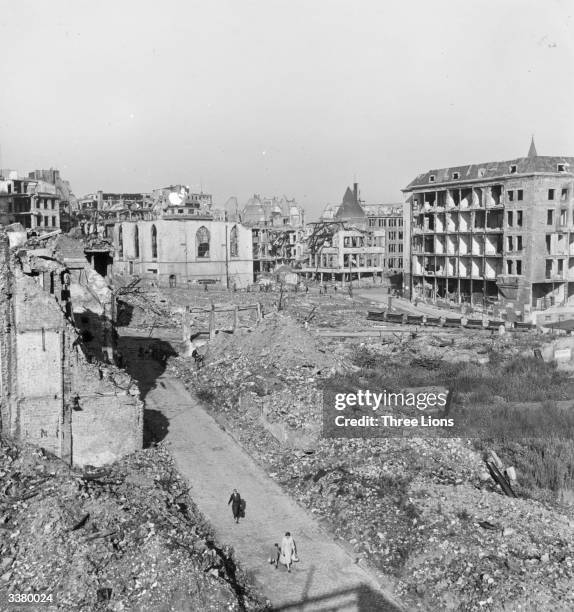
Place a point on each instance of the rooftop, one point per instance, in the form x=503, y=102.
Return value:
x=531, y=164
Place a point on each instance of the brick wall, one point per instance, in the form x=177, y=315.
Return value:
x=50, y=395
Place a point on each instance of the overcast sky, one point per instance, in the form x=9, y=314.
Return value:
x=294, y=97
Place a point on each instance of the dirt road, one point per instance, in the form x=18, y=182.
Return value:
x=326, y=578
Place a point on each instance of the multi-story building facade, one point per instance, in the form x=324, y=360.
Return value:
x=337, y=253
x=389, y=218
x=33, y=203
x=493, y=231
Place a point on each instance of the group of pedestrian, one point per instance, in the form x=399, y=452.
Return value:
x=284, y=554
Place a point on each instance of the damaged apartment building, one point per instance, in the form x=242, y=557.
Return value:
x=497, y=231
x=59, y=388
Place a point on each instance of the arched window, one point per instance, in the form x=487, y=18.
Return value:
x=121, y=242
x=202, y=241
x=153, y=241
x=233, y=242
x=136, y=242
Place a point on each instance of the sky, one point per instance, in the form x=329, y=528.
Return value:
x=281, y=97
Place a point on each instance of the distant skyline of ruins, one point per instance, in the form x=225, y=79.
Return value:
x=284, y=98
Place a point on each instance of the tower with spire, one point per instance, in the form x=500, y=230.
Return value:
x=532, y=151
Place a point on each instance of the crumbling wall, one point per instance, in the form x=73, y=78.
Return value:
x=107, y=414
x=51, y=395
x=5, y=333
x=105, y=428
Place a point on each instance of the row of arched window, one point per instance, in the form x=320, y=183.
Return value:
x=202, y=240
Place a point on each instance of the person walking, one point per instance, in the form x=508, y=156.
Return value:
x=275, y=556
x=235, y=501
x=288, y=551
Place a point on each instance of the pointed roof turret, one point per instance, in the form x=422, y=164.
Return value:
x=532, y=151
x=350, y=209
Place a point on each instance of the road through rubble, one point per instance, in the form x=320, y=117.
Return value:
x=326, y=578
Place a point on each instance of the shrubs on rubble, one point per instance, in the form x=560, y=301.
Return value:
x=544, y=464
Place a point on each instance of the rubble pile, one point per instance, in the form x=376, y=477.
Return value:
x=480, y=550
x=277, y=344
x=145, y=309
x=250, y=371
x=121, y=538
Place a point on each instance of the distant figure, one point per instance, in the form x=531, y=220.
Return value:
x=235, y=501
x=275, y=555
x=288, y=551
x=205, y=287
x=198, y=358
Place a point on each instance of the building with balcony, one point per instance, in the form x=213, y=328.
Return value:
x=497, y=231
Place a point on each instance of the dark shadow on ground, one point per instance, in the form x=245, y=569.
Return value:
x=145, y=360
x=362, y=598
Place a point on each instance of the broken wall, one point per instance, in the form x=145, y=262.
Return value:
x=51, y=396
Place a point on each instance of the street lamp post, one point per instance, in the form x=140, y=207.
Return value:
x=226, y=259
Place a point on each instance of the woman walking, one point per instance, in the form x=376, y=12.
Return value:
x=288, y=551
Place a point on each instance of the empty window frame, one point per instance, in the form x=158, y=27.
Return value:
x=548, y=242
x=513, y=169
x=564, y=195
x=519, y=243
x=510, y=195
x=509, y=218
x=551, y=194
x=519, y=218
x=550, y=217
x=136, y=242
x=431, y=178
x=202, y=241
x=510, y=243
x=153, y=241
x=455, y=176
x=520, y=195
x=560, y=167
x=518, y=266
x=548, y=268
x=234, y=242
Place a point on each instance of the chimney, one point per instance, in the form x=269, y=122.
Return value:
x=356, y=192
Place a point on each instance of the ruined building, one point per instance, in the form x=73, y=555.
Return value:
x=494, y=231
x=34, y=203
x=54, y=391
x=277, y=226
x=389, y=218
x=343, y=246
x=181, y=252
